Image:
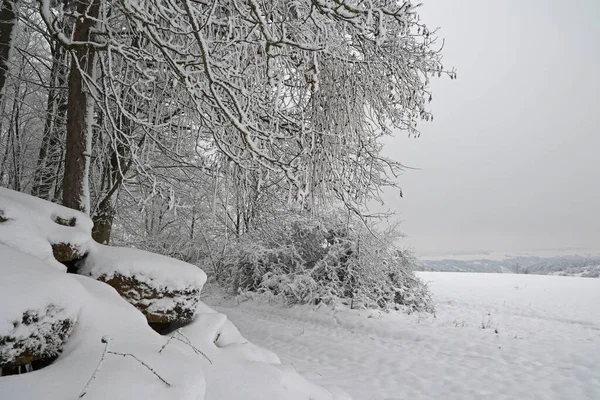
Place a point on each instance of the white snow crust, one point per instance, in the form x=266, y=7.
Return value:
x=106, y=315
x=547, y=344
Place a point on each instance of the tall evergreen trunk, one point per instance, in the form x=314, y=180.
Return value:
x=80, y=112
x=8, y=20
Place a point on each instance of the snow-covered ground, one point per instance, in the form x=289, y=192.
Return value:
x=69, y=335
x=494, y=336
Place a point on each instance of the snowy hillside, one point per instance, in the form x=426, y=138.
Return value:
x=494, y=336
x=587, y=265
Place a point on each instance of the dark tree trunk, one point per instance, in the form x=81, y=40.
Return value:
x=75, y=181
x=112, y=180
x=51, y=149
x=8, y=21
x=103, y=220
x=14, y=136
x=13, y=132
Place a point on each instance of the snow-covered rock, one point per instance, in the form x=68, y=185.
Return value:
x=39, y=308
x=165, y=290
x=129, y=370
x=42, y=229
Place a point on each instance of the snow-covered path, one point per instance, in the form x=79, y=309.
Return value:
x=495, y=336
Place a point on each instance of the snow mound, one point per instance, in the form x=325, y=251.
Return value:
x=33, y=327
x=43, y=229
x=235, y=366
x=221, y=341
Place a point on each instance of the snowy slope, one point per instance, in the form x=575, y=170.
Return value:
x=101, y=344
x=547, y=344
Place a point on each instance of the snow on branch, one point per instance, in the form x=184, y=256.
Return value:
x=301, y=90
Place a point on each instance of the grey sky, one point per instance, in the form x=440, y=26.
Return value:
x=512, y=159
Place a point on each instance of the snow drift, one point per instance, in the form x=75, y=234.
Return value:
x=100, y=337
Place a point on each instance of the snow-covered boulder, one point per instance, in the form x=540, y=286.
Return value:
x=39, y=309
x=165, y=290
x=113, y=344
x=45, y=230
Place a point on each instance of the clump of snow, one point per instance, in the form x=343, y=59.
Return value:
x=31, y=226
x=221, y=341
x=234, y=366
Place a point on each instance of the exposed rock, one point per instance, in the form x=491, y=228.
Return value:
x=2, y=217
x=39, y=335
x=159, y=306
x=65, y=252
x=64, y=221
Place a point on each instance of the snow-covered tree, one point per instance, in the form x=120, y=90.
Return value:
x=301, y=91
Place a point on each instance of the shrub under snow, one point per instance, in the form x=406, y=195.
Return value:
x=336, y=259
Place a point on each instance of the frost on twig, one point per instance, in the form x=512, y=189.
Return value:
x=300, y=92
x=106, y=340
x=141, y=362
x=185, y=340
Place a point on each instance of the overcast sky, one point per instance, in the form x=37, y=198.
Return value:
x=512, y=159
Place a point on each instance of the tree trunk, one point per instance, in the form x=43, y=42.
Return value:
x=80, y=112
x=50, y=153
x=103, y=220
x=14, y=181
x=112, y=180
x=8, y=20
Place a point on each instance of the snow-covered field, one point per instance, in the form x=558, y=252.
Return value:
x=494, y=336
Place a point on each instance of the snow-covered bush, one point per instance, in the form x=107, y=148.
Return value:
x=333, y=259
